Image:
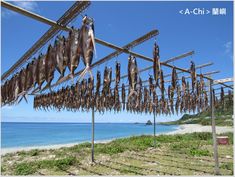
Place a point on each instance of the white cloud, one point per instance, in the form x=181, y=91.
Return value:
x=27, y=5
x=228, y=47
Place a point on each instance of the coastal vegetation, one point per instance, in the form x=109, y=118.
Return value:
x=223, y=117
x=126, y=156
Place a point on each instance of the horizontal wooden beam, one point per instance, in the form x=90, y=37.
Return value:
x=132, y=44
x=67, y=17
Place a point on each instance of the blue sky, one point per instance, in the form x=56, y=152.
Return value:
x=210, y=36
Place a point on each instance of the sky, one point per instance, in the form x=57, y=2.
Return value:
x=210, y=36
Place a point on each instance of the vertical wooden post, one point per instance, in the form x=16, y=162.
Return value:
x=215, y=148
x=154, y=127
x=93, y=135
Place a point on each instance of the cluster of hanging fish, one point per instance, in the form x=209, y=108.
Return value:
x=177, y=98
x=225, y=101
x=84, y=95
x=140, y=99
x=65, y=53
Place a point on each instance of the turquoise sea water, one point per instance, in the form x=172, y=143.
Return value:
x=36, y=134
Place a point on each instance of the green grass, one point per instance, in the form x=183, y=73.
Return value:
x=193, y=145
x=24, y=169
x=228, y=166
x=135, y=143
x=30, y=167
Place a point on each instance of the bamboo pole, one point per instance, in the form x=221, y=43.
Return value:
x=154, y=128
x=215, y=148
x=93, y=136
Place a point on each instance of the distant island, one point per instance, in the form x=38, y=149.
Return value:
x=149, y=122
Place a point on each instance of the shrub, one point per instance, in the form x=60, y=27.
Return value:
x=21, y=153
x=199, y=152
x=34, y=152
x=24, y=169
x=63, y=164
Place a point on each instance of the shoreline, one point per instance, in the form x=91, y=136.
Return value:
x=185, y=128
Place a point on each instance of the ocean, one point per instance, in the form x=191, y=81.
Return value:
x=39, y=134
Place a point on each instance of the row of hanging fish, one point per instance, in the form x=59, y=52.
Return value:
x=225, y=101
x=135, y=97
x=84, y=97
x=65, y=53
x=179, y=96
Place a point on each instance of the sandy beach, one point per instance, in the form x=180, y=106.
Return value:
x=191, y=128
x=185, y=128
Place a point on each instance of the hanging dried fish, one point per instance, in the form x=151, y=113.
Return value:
x=107, y=80
x=174, y=78
x=90, y=92
x=34, y=72
x=146, y=99
x=73, y=45
x=22, y=85
x=86, y=43
x=205, y=99
x=151, y=85
x=49, y=66
x=162, y=84
x=156, y=64
x=193, y=75
x=118, y=70
x=116, y=99
x=139, y=92
x=61, y=54
x=132, y=75
x=177, y=105
x=198, y=89
x=169, y=92
x=155, y=102
x=41, y=71
x=172, y=106
x=187, y=98
x=83, y=92
x=29, y=73
x=183, y=84
x=98, y=82
x=16, y=90
x=230, y=98
x=202, y=83
x=222, y=102
x=214, y=97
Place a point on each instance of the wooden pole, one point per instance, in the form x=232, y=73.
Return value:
x=215, y=148
x=154, y=127
x=93, y=135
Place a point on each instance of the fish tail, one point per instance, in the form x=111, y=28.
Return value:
x=20, y=100
x=47, y=86
x=24, y=96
